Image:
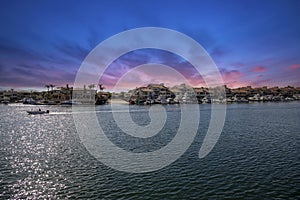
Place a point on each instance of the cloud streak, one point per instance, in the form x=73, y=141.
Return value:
x=258, y=69
x=294, y=67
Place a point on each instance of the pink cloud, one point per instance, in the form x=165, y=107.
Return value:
x=294, y=67
x=232, y=78
x=231, y=75
x=258, y=69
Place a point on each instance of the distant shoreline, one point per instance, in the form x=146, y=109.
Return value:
x=151, y=94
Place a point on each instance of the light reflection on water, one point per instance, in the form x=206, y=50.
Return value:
x=257, y=156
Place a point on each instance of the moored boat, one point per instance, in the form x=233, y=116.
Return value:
x=5, y=102
x=71, y=102
x=29, y=101
x=37, y=112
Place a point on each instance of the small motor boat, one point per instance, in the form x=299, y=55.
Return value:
x=37, y=112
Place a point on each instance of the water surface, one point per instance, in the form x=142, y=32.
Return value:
x=257, y=156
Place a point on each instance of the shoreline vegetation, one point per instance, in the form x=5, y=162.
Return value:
x=150, y=94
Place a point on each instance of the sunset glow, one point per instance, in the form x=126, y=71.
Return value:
x=252, y=42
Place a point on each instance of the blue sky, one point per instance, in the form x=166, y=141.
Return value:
x=252, y=42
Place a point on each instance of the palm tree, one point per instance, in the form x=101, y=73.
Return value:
x=51, y=86
x=91, y=86
x=101, y=87
x=47, y=86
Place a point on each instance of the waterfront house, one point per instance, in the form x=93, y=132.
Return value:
x=152, y=92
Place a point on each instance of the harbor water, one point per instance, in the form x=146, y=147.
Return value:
x=256, y=157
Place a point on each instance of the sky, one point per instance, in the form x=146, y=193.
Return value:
x=252, y=42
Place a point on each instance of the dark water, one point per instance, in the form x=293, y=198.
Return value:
x=257, y=156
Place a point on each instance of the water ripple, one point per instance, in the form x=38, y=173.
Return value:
x=257, y=157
